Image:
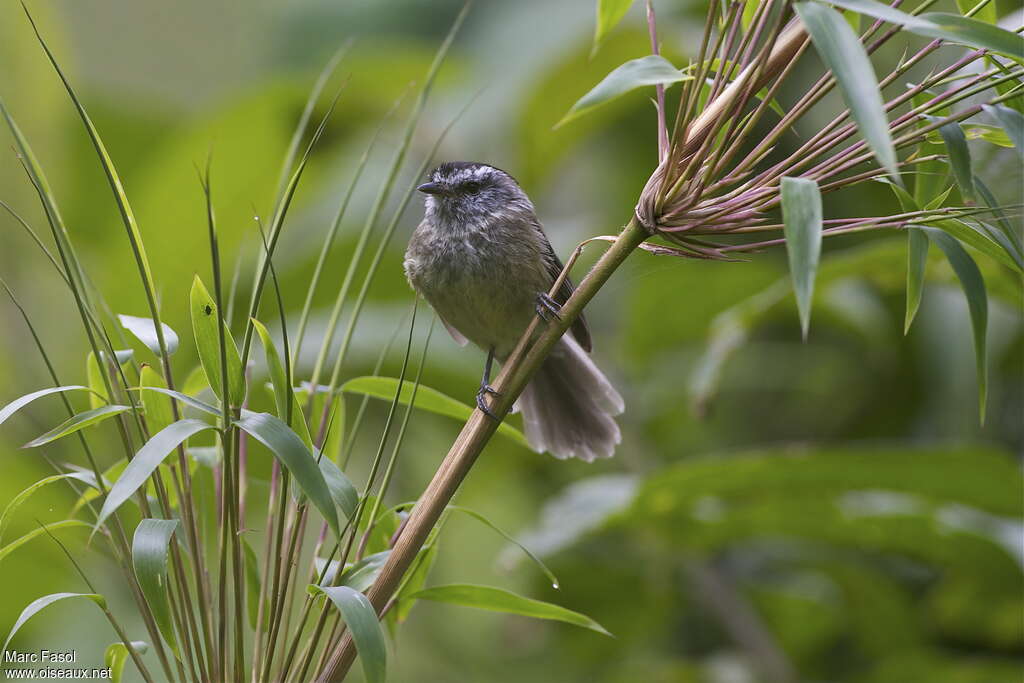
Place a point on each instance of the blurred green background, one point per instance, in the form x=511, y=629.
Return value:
x=778, y=510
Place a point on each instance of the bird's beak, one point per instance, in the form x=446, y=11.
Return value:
x=431, y=188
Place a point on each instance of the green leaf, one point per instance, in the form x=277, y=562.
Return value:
x=94, y=376
x=1012, y=121
x=361, y=575
x=282, y=384
x=361, y=619
x=973, y=33
x=39, y=604
x=801, y=214
x=145, y=331
x=191, y=402
x=917, y=257
x=39, y=531
x=205, y=320
x=159, y=412
x=16, y=502
x=991, y=244
x=841, y=50
x=949, y=27
x=609, y=14
x=293, y=454
x=428, y=399
x=959, y=158
x=342, y=490
x=511, y=539
x=252, y=582
x=977, y=303
x=146, y=461
x=417, y=578
x=501, y=600
x=22, y=401
x=117, y=654
x=988, y=13
x=149, y=558
x=636, y=73
x=77, y=422
x=1009, y=232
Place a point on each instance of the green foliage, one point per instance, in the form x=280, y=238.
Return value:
x=150, y=547
x=801, y=212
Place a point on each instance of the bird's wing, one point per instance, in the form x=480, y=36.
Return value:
x=554, y=267
x=459, y=338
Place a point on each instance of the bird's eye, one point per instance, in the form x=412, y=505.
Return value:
x=472, y=187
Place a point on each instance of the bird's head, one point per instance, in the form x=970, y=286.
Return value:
x=472, y=192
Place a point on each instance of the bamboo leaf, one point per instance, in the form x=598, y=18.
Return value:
x=991, y=244
x=77, y=422
x=39, y=531
x=511, y=539
x=39, y=604
x=282, y=384
x=917, y=257
x=988, y=13
x=158, y=408
x=94, y=377
x=146, y=461
x=427, y=399
x=801, y=213
x=636, y=73
x=609, y=14
x=361, y=619
x=501, y=600
x=27, y=493
x=949, y=27
x=205, y=319
x=959, y=158
x=145, y=331
x=191, y=402
x=1009, y=232
x=973, y=285
x=424, y=562
x=842, y=52
x=293, y=454
x=149, y=558
x=22, y=401
x=116, y=656
x=342, y=490
x=1012, y=121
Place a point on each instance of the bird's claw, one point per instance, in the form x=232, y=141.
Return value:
x=547, y=307
x=481, y=400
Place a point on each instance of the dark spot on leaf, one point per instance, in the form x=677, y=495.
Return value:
x=208, y=309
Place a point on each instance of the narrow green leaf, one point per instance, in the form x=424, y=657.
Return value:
x=22, y=401
x=501, y=600
x=149, y=558
x=636, y=73
x=191, y=402
x=145, y=331
x=342, y=490
x=992, y=244
x=973, y=285
x=77, y=422
x=973, y=33
x=609, y=14
x=159, y=412
x=116, y=656
x=1012, y=121
x=801, y=214
x=917, y=257
x=282, y=384
x=38, y=531
x=949, y=27
x=204, y=326
x=361, y=619
x=24, y=495
x=842, y=52
x=39, y=604
x=511, y=539
x=252, y=582
x=988, y=13
x=959, y=158
x=94, y=377
x=360, y=575
x=293, y=454
x=428, y=399
x=416, y=580
x=1008, y=230
x=146, y=461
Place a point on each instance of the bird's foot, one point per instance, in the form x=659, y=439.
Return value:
x=547, y=307
x=481, y=400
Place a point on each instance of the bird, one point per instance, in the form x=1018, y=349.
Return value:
x=481, y=259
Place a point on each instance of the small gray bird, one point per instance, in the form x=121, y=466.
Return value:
x=482, y=260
